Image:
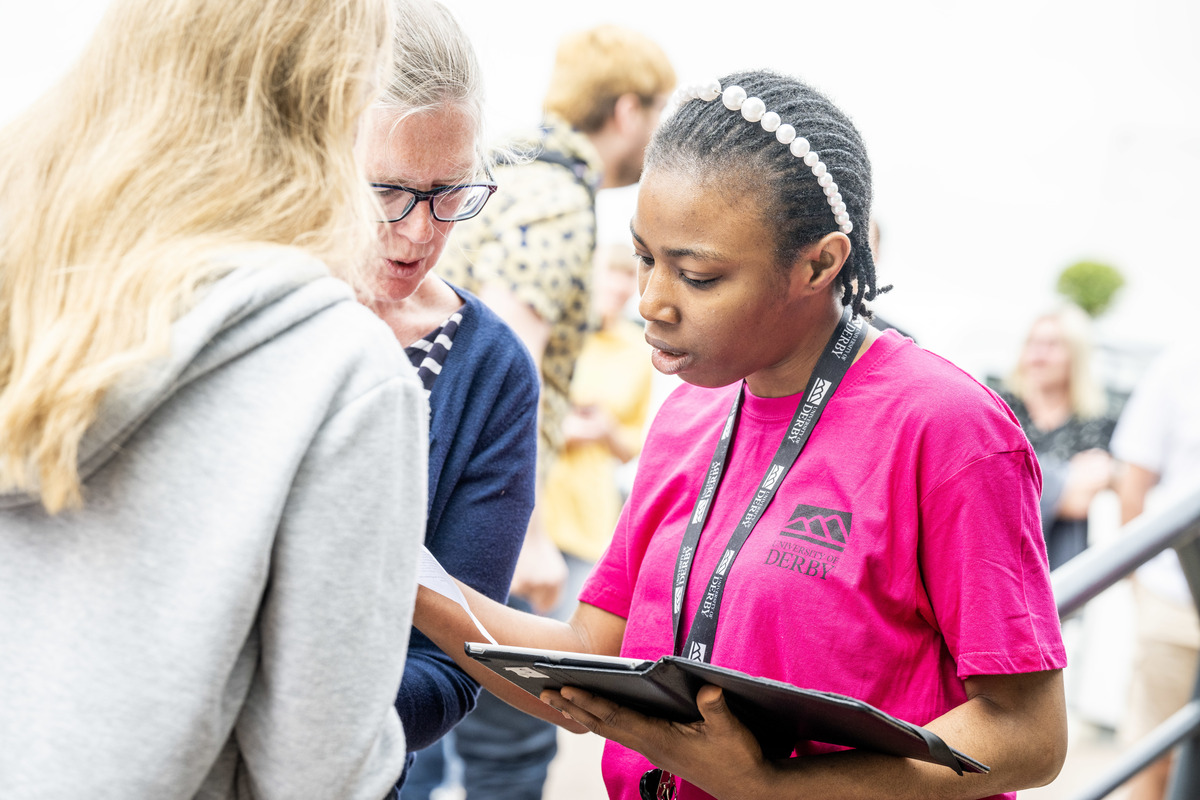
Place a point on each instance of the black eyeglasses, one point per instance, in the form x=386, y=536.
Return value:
x=448, y=203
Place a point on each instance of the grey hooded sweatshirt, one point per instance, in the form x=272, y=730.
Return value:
x=227, y=615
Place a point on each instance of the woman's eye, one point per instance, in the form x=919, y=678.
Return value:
x=645, y=261
x=699, y=282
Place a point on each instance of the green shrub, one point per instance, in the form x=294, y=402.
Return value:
x=1090, y=285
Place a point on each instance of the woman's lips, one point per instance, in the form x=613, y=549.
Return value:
x=402, y=269
x=666, y=360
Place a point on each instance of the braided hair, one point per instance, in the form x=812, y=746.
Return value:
x=705, y=139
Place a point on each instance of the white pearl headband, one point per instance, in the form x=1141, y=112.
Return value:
x=755, y=110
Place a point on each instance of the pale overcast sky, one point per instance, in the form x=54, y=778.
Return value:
x=1008, y=139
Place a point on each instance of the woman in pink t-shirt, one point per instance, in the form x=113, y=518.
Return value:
x=820, y=503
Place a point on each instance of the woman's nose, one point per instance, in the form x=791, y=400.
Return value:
x=655, y=304
x=417, y=225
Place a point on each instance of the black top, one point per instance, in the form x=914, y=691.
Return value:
x=1065, y=538
x=1073, y=436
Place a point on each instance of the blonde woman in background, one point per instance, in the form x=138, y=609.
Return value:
x=1064, y=413
x=212, y=459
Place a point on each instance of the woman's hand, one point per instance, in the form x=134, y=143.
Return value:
x=541, y=571
x=1016, y=724
x=717, y=754
x=592, y=424
x=1088, y=474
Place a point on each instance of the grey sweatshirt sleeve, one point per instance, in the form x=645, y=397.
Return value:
x=318, y=719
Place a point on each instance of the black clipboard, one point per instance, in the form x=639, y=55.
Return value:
x=780, y=715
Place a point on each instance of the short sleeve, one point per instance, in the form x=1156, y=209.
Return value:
x=609, y=587
x=1141, y=434
x=983, y=562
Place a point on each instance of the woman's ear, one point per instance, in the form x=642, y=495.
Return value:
x=627, y=111
x=821, y=262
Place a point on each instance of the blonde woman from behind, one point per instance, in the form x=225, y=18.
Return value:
x=211, y=457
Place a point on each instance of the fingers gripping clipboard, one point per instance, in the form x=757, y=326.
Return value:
x=778, y=714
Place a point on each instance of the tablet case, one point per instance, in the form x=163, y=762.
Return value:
x=780, y=715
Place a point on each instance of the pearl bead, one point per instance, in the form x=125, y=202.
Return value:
x=770, y=122
x=753, y=109
x=733, y=97
x=831, y=190
x=835, y=198
x=800, y=148
x=819, y=171
x=838, y=208
x=785, y=134
x=825, y=180
x=710, y=91
x=811, y=157
x=842, y=218
x=846, y=228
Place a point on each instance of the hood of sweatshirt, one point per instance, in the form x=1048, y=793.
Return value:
x=266, y=292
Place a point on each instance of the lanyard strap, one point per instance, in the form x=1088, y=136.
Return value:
x=831, y=368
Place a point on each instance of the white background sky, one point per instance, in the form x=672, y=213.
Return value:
x=1008, y=139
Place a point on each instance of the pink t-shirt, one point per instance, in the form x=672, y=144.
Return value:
x=902, y=553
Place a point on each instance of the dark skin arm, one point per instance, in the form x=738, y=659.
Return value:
x=1016, y=724
x=589, y=630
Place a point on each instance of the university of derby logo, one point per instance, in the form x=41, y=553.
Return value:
x=773, y=476
x=820, y=526
x=822, y=535
x=818, y=391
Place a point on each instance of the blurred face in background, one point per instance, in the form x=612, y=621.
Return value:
x=615, y=280
x=637, y=123
x=1046, y=356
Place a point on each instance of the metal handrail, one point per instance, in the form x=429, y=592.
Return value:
x=1097, y=568
x=1172, y=524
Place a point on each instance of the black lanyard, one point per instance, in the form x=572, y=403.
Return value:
x=831, y=368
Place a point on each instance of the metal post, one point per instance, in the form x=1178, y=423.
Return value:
x=1184, y=783
x=1175, y=524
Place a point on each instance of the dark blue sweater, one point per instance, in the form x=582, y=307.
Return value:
x=482, y=459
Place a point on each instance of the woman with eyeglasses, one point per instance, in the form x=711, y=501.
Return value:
x=819, y=503
x=421, y=145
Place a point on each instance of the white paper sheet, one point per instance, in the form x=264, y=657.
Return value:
x=432, y=575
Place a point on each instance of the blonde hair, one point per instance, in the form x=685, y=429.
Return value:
x=434, y=65
x=593, y=68
x=187, y=129
x=1086, y=393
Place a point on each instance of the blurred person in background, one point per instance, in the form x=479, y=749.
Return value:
x=529, y=257
x=610, y=402
x=422, y=146
x=212, y=459
x=875, y=238
x=1064, y=412
x=1157, y=440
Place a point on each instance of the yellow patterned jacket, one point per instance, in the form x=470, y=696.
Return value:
x=537, y=238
